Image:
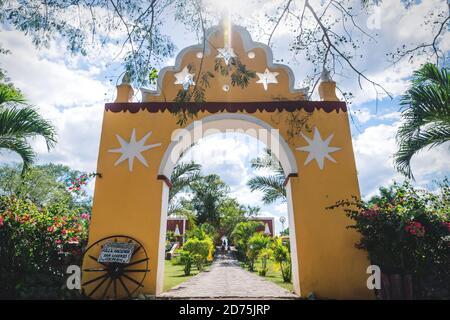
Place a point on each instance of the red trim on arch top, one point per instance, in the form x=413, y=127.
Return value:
x=213, y=107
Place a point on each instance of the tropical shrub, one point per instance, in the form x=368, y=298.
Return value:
x=240, y=236
x=36, y=243
x=204, y=232
x=199, y=251
x=186, y=259
x=406, y=230
x=282, y=256
x=264, y=256
x=256, y=243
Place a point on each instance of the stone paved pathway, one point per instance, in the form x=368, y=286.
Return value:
x=226, y=279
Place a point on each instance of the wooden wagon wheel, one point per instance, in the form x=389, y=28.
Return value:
x=114, y=280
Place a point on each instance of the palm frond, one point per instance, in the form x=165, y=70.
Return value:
x=26, y=123
x=182, y=176
x=272, y=187
x=430, y=137
x=21, y=147
x=267, y=161
x=425, y=114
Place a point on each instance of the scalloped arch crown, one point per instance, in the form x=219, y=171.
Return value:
x=272, y=81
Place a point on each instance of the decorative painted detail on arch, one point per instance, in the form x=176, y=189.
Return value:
x=226, y=53
x=184, y=78
x=231, y=107
x=256, y=57
x=318, y=149
x=266, y=78
x=133, y=149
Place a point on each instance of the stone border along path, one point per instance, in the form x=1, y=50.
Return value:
x=226, y=279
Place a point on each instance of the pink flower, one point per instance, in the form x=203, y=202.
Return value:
x=370, y=213
x=85, y=216
x=51, y=229
x=58, y=241
x=1, y=221
x=64, y=232
x=415, y=228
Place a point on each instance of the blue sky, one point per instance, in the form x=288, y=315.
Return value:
x=71, y=91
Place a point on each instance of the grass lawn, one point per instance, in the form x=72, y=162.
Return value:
x=274, y=275
x=174, y=274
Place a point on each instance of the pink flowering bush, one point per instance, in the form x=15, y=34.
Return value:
x=37, y=243
x=405, y=230
x=76, y=185
x=415, y=228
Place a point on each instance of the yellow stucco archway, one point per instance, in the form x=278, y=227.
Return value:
x=141, y=142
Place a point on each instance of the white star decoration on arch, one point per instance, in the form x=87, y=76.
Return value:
x=318, y=149
x=267, y=77
x=184, y=78
x=133, y=149
x=227, y=53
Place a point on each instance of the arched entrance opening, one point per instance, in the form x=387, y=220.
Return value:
x=183, y=139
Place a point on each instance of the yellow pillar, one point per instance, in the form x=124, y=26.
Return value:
x=329, y=263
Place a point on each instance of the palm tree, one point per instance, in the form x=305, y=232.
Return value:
x=182, y=176
x=19, y=122
x=272, y=185
x=426, y=115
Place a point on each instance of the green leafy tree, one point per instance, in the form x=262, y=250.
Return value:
x=48, y=185
x=202, y=232
x=19, y=122
x=232, y=213
x=208, y=194
x=426, y=115
x=328, y=33
x=271, y=185
x=183, y=175
x=98, y=24
x=285, y=232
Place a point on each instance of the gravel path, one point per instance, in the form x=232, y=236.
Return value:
x=226, y=279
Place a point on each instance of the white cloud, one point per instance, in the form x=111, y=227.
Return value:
x=390, y=116
x=72, y=99
x=46, y=83
x=363, y=115
x=374, y=149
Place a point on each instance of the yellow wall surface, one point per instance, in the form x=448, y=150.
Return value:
x=131, y=202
